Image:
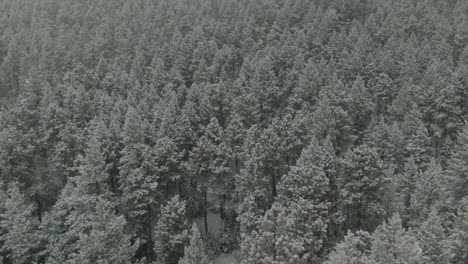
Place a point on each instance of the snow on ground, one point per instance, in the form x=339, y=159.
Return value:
x=232, y=258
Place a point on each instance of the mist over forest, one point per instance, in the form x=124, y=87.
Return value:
x=233, y=132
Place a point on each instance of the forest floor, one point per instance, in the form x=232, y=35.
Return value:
x=231, y=258
x=215, y=226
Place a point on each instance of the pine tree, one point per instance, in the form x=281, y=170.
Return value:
x=393, y=244
x=138, y=179
x=459, y=234
x=433, y=240
x=457, y=169
x=295, y=228
x=92, y=167
x=308, y=87
x=21, y=240
x=355, y=249
x=16, y=154
x=258, y=180
x=77, y=202
x=362, y=188
x=306, y=192
x=208, y=163
x=265, y=245
x=332, y=121
x=105, y=240
x=361, y=107
x=406, y=184
x=428, y=192
x=10, y=70
x=194, y=253
x=171, y=233
x=418, y=140
x=389, y=142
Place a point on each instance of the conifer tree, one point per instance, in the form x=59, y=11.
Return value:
x=457, y=169
x=362, y=188
x=361, y=107
x=105, y=240
x=258, y=180
x=433, y=240
x=10, y=70
x=406, y=183
x=194, y=253
x=77, y=202
x=138, y=179
x=171, y=233
x=301, y=205
x=332, y=121
x=391, y=244
x=428, y=192
x=208, y=163
x=355, y=249
x=389, y=142
x=418, y=140
x=21, y=240
x=459, y=235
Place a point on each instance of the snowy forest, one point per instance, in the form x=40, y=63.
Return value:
x=234, y=131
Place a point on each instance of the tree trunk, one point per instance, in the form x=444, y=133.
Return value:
x=149, y=234
x=205, y=210
x=273, y=185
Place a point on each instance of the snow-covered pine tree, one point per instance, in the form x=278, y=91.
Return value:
x=457, y=170
x=428, y=192
x=362, y=188
x=105, y=240
x=459, y=234
x=77, y=202
x=295, y=227
x=194, y=253
x=354, y=249
x=138, y=179
x=208, y=164
x=432, y=238
x=391, y=244
x=172, y=232
x=21, y=240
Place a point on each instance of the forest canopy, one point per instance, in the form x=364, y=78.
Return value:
x=291, y=131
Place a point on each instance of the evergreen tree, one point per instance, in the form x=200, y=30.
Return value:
x=418, y=140
x=138, y=179
x=77, y=202
x=460, y=235
x=295, y=228
x=362, y=188
x=406, y=184
x=105, y=240
x=16, y=154
x=258, y=180
x=171, y=233
x=21, y=240
x=355, y=249
x=208, y=163
x=393, y=244
x=10, y=70
x=428, y=192
x=457, y=169
x=389, y=142
x=433, y=240
x=332, y=121
x=194, y=253
x=361, y=107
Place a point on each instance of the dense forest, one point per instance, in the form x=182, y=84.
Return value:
x=289, y=131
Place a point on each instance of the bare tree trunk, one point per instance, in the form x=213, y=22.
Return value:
x=205, y=209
